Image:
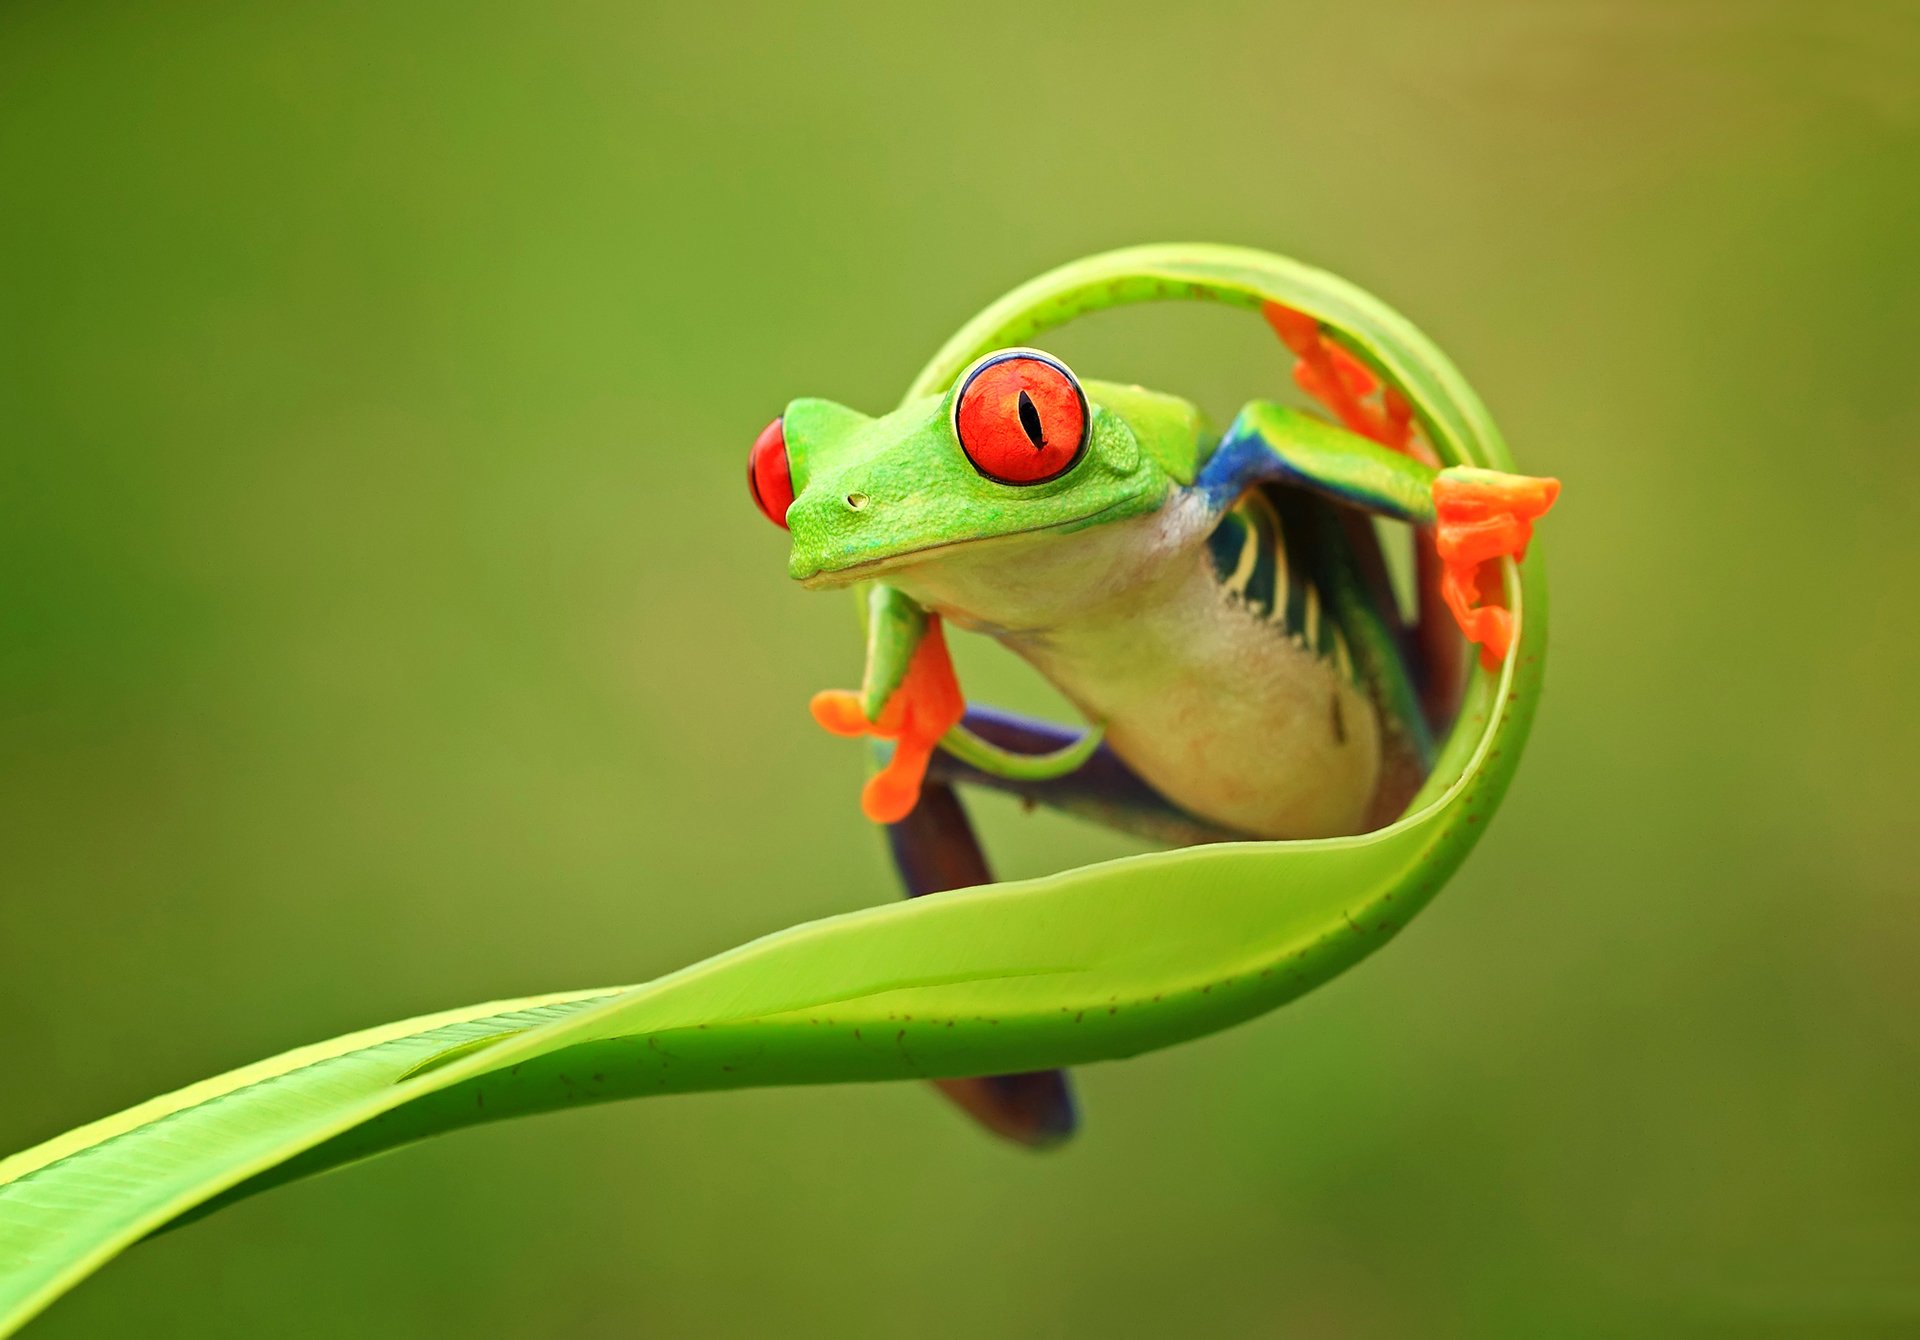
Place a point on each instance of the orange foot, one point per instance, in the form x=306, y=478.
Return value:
x=925, y=707
x=1481, y=516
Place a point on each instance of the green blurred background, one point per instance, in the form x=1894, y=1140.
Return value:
x=384, y=626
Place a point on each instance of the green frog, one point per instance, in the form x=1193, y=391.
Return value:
x=1217, y=606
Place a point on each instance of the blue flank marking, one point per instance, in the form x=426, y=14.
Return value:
x=1245, y=457
x=1293, y=535
x=1242, y=460
x=1329, y=631
x=1226, y=542
x=1265, y=533
x=1263, y=580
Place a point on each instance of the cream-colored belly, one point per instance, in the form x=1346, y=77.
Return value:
x=1222, y=713
x=1217, y=708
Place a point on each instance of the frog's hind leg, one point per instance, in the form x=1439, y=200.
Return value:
x=1338, y=548
x=934, y=848
x=1345, y=387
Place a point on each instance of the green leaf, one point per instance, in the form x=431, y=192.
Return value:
x=1093, y=964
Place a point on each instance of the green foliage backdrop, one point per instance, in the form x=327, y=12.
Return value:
x=384, y=627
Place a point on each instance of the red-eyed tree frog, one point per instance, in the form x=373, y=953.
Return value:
x=1217, y=606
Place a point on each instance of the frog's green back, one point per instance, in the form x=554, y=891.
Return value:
x=1173, y=431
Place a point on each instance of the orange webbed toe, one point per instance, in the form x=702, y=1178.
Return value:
x=925, y=706
x=1482, y=516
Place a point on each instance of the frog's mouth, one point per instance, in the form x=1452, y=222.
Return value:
x=860, y=568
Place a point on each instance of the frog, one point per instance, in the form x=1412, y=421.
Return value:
x=1218, y=606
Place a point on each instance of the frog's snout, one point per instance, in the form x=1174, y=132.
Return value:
x=770, y=480
x=833, y=526
x=821, y=516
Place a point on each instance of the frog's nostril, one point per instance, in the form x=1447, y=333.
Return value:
x=858, y=501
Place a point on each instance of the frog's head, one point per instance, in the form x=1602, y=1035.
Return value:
x=1018, y=447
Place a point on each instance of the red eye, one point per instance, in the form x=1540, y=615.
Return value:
x=769, y=475
x=1021, y=418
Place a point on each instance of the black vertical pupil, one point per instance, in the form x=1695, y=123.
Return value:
x=1030, y=422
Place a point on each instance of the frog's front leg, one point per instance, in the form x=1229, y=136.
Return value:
x=1478, y=516
x=908, y=695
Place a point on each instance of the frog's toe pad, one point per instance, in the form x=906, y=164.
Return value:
x=890, y=794
x=838, y=710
